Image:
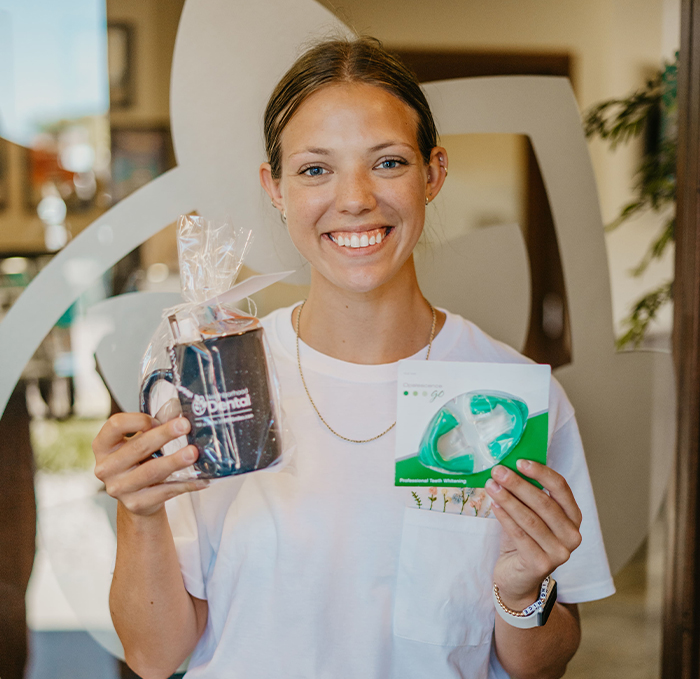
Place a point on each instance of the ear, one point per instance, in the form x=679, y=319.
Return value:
x=437, y=171
x=271, y=186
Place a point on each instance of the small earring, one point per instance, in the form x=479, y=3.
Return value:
x=426, y=200
x=444, y=168
x=272, y=202
x=284, y=216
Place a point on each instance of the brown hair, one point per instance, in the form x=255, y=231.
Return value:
x=363, y=60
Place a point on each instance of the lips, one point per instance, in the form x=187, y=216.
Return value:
x=359, y=239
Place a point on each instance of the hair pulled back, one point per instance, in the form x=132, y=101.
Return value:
x=362, y=60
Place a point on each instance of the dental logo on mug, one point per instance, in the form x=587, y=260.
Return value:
x=199, y=405
x=231, y=406
x=456, y=420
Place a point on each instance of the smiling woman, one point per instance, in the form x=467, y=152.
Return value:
x=358, y=177
x=333, y=572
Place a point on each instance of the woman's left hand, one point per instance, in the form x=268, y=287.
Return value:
x=540, y=530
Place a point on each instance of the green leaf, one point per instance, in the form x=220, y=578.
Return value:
x=643, y=313
x=657, y=248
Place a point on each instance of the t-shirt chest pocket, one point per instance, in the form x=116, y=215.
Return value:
x=445, y=577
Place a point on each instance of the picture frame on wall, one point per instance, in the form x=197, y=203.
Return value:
x=120, y=60
x=139, y=155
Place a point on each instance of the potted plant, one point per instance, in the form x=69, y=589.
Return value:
x=652, y=112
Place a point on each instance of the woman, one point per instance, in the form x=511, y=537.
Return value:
x=330, y=572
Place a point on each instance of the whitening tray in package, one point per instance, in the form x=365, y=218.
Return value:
x=455, y=421
x=209, y=362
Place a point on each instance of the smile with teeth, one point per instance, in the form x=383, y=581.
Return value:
x=362, y=239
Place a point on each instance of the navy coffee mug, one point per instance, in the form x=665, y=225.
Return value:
x=223, y=385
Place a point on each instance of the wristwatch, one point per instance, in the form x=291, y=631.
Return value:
x=535, y=615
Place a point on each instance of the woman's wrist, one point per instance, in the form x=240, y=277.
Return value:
x=141, y=523
x=518, y=601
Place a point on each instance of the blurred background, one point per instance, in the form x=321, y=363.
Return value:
x=84, y=122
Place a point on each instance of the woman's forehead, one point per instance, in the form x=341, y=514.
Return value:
x=355, y=113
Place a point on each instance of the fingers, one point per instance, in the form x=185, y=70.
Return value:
x=537, y=514
x=148, y=500
x=555, y=484
x=523, y=543
x=118, y=426
x=522, y=566
x=537, y=546
x=123, y=464
x=138, y=448
x=150, y=473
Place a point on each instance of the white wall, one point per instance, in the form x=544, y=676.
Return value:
x=616, y=44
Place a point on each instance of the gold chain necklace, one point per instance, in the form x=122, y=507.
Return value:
x=306, y=389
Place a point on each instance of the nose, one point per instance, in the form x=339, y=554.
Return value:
x=355, y=192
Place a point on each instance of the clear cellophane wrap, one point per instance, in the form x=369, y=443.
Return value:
x=209, y=362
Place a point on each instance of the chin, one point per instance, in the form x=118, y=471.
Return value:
x=359, y=284
x=361, y=278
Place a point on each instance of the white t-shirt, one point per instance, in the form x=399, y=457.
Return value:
x=332, y=572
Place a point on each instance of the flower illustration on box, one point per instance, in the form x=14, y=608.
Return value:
x=432, y=496
x=464, y=497
x=476, y=501
x=464, y=501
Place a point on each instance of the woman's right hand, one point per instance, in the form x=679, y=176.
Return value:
x=122, y=451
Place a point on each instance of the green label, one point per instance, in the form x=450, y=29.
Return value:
x=532, y=446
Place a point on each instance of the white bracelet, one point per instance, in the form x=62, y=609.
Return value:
x=536, y=614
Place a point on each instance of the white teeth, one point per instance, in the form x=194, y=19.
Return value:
x=358, y=240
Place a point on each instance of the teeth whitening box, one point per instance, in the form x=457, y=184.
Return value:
x=456, y=420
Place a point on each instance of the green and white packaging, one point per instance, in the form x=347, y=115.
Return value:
x=456, y=420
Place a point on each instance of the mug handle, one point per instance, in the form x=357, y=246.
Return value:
x=145, y=393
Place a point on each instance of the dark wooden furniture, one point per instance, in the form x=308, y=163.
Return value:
x=17, y=531
x=681, y=643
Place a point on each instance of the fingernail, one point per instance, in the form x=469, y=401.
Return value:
x=499, y=472
x=523, y=465
x=190, y=454
x=182, y=424
x=492, y=486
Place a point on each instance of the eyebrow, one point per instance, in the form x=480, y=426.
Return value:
x=326, y=152
x=387, y=144
x=315, y=151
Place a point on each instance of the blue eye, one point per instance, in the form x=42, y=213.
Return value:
x=391, y=164
x=314, y=171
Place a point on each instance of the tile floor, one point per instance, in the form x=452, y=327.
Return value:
x=68, y=655
x=622, y=634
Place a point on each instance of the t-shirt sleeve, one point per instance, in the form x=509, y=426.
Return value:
x=183, y=524
x=586, y=575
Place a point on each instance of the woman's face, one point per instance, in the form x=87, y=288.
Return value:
x=353, y=184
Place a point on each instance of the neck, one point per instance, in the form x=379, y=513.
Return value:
x=381, y=326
